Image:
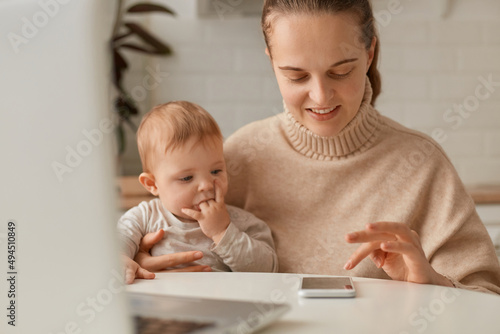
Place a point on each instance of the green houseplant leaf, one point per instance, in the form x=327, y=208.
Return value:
x=140, y=49
x=148, y=7
x=159, y=47
x=119, y=65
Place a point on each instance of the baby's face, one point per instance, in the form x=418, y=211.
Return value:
x=185, y=176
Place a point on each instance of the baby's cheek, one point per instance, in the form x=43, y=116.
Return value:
x=183, y=202
x=174, y=203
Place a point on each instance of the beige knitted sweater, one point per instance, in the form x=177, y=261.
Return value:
x=312, y=190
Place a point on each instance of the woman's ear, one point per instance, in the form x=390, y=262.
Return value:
x=268, y=53
x=371, y=52
x=148, y=182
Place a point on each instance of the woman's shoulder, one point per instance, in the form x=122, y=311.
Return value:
x=410, y=140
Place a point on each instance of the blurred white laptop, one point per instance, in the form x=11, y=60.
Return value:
x=171, y=314
x=57, y=196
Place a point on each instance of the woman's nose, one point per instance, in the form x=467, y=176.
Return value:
x=321, y=93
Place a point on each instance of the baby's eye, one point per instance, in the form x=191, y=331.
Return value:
x=216, y=171
x=186, y=179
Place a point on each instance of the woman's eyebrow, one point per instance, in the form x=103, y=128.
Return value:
x=298, y=69
x=344, y=61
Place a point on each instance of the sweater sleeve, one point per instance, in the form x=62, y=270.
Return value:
x=453, y=236
x=467, y=256
x=247, y=244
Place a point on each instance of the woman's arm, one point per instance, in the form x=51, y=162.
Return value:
x=156, y=263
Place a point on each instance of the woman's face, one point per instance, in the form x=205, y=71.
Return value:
x=320, y=65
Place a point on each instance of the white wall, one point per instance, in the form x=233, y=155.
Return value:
x=428, y=64
x=432, y=64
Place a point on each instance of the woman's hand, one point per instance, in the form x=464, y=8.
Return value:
x=133, y=270
x=163, y=262
x=397, y=250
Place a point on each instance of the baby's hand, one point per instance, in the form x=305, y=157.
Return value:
x=213, y=216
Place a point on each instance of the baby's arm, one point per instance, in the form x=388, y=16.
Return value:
x=247, y=244
x=131, y=227
x=242, y=241
x=130, y=231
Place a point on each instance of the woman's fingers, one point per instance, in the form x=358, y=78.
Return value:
x=161, y=262
x=143, y=273
x=130, y=275
x=408, y=240
x=369, y=236
x=150, y=239
x=395, y=248
x=378, y=257
x=360, y=253
x=402, y=231
x=380, y=238
x=133, y=270
x=384, y=231
x=191, y=269
x=400, y=247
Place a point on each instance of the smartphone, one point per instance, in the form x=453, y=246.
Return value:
x=323, y=287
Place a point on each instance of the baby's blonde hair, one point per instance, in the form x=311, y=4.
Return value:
x=168, y=126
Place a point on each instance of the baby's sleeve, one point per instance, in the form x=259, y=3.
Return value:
x=247, y=244
x=131, y=228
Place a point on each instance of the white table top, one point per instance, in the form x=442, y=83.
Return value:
x=381, y=306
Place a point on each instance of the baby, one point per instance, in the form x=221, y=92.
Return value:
x=180, y=146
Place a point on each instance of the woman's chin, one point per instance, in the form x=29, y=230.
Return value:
x=324, y=129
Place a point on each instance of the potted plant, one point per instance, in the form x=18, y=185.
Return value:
x=125, y=36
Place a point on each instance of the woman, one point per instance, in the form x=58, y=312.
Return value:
x=336, y=181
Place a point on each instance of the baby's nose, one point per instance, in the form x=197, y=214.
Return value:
x=206, y=185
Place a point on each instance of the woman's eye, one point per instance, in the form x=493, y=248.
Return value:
x=298, y=79
x=340, y=75
x=216, y=171
x=186, y=179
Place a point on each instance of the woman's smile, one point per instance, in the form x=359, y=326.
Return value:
x=323, y=114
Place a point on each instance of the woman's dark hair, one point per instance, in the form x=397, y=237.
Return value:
x=362, y=9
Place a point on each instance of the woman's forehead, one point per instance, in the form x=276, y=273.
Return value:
x=324, y=38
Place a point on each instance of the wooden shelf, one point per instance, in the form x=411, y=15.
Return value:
x=132, y=192
x=485, y=194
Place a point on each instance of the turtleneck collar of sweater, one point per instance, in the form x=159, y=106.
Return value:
x=356, y=137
